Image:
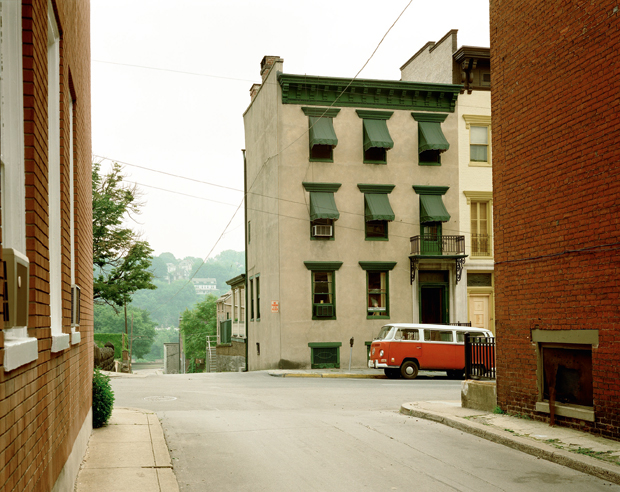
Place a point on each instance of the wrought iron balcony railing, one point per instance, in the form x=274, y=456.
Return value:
x=481, y=244
x=433, y=245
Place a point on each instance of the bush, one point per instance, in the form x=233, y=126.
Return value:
x=103, y=399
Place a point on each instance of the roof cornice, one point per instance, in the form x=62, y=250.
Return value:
x=367, y=93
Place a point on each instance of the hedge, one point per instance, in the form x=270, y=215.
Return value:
x=115, y=339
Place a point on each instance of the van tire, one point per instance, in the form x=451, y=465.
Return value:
x=409, y=370
x=392, y=372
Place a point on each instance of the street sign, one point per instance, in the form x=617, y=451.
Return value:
x=275, y=306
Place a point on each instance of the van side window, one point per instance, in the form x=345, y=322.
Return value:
x=410, y=334
x=438, y=336
x=460, y=336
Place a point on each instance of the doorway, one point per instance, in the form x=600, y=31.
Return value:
x=434, y=297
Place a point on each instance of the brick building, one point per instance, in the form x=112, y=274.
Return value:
x=556, y=182
x=46, y=328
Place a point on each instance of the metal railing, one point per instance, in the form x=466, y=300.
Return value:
x=479, y=357
x=430, y=244
x=481, y=244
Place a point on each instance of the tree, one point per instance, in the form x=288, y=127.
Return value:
x=196, y=325
x=167, y=302
x=121, y=261
x=107, y=320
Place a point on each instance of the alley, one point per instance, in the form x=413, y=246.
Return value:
x=255, y=432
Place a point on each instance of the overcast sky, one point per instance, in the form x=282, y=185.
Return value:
x=183, y=114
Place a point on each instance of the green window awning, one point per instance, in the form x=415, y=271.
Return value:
x=322, y=131
x=378, y=207
x=323, y=206
x=376, y=134
x=432, y=209
x=430, y=137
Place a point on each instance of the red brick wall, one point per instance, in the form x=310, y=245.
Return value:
x=556, y=182
x=44, y=404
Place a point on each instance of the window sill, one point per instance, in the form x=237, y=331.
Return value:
x=373, y=316
x=320, y=160
x=479, y=164
x=76, y=337
x=376, y=162
x=565, y=410
x=20, y=351
x=429, y=163
x=323, y=318
x=60, y=342
x=377, y=239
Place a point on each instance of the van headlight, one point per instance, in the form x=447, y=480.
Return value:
x=373, y=351
x=381, y=353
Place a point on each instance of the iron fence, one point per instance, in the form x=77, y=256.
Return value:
x=479, y=357
x=431, y=244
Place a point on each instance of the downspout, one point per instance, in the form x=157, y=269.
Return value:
x=245, y=250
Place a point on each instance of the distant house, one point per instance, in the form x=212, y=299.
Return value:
x=46, y=342
x=231, y=322
x=204, y=286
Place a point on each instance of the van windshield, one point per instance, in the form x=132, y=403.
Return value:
x=384, y=333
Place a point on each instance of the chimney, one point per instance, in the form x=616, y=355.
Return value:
x=266, y=64
x=254, y=90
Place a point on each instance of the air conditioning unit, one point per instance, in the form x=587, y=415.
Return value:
x=76, y=292
x=322, y=231
x=323, y=310
x=16, y=293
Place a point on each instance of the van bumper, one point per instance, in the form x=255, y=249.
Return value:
x=373, y=364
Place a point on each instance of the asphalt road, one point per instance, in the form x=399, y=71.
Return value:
x=255, y=432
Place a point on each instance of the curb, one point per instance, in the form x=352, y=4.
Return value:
x=584, y=464
x=326, y=375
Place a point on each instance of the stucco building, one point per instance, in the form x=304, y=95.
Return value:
x=353, y=213
x=556, y=183
x=445, y=62
x=46, y=346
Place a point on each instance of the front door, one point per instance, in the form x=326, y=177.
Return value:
x=479, y=310
x=434, y=296
x=431, y=238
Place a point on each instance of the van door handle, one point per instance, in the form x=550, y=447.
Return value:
x=419, y=348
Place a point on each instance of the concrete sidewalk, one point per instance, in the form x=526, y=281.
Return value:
x=130, y=453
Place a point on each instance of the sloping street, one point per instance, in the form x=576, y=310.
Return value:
x=252, y=431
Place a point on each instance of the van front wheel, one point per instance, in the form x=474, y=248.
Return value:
x=392, y=372
x=409, y=370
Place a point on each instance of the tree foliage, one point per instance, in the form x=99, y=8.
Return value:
x=167, y=302
x=121, y=261
x=196, y=324
x=107, y=320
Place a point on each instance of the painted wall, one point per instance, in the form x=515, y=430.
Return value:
x=433, y=63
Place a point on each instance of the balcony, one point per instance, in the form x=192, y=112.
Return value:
x=481, y=245
x=433, y=245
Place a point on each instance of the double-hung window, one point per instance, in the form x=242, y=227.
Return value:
x=377, y=288
x=431, y=140
x=377, y=139
x=377, y=211
x=323, y=210
x=321, y=135
x=480, y=222
x=479, y=127
x=323, y=275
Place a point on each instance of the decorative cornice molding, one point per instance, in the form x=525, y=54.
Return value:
x=322, y=187
x=374, y=115
x=324, y=112
x=432, y=117
x=323, y=265
x=376, y=188
x=430, y=190
x=377, y=265
x=481, y=196
x=238, y=280
x=367, y=93
x=477, y=119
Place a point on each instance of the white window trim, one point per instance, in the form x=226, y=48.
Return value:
x=480, y=120
x=19, y=348
x=60, y=340
x=481, y=196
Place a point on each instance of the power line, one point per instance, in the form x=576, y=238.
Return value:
x=173, y=71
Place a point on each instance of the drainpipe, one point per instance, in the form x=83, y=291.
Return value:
x=245, y=250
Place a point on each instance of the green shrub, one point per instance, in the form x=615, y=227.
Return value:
x=103, y=399
x=117, y=339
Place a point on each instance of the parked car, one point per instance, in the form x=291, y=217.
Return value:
x=402, y=349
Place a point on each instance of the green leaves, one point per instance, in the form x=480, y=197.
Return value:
x=121, y=261
x=196, y=325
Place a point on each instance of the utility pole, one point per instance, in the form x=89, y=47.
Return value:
x=130, y=342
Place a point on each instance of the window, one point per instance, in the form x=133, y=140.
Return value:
x=431, y=140
x=480, y=203
x=257, y=297
x=323, y=210
x=322, y=137
x=19, y=348
x=325, y=355
x=438, y=336
x=479, y=127
x=377, y=287
x=377, y=211
x=60, y=340
x=377, y=139
x=323, y=274
x=75, y=289
x=249, y=231
x=251, y=299
x=433, y=213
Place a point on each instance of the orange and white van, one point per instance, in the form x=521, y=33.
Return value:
x=402, y=349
